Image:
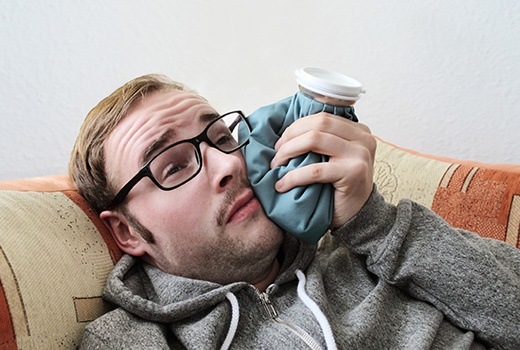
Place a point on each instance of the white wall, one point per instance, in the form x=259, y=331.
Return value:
x=442, y=77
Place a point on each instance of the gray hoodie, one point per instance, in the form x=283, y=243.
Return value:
x=390, y=278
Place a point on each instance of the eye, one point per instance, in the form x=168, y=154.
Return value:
x=174, y=168
x=175, y=164
x=225, y=139
x=221, y=136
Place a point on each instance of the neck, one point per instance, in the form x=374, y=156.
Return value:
x=269, y=278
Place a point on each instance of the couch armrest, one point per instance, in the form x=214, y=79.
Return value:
x=55, y=255
x=479, y=197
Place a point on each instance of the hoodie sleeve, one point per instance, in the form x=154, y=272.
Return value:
x=474, y=281
x=92, y=342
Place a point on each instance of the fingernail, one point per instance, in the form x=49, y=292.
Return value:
x=277, y=145
x=279, y=186
x=273, y=163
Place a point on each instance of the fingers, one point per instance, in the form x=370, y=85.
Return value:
x=351, y=150
x=326, y=123
x=321, y=133
x=342, y=175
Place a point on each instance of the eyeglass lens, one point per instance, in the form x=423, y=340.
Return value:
x=177, y=164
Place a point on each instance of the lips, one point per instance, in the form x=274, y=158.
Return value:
x=245, y=206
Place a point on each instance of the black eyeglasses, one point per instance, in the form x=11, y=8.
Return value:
x=181, y=161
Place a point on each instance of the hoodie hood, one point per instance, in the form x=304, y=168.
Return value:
x=149, y=293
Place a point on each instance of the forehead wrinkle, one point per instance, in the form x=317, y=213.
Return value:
x=160, y=108
x=173, y=104
x=168, y=135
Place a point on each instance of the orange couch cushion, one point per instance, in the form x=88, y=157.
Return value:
x=479, y=197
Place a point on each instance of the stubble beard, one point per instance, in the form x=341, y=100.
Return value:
x=229, y=257
x=234, y=257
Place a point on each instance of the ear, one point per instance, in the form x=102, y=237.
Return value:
x=127, y=239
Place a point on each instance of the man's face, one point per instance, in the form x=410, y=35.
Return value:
x=211, y=228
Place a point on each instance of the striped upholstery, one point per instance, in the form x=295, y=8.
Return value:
x=55, y=253
x=479, y=197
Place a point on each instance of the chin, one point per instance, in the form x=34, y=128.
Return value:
x=272, y=232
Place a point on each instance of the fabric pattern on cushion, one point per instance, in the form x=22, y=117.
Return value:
x=55, y=255
x=479, y=197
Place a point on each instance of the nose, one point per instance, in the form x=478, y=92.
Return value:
x=222, y=169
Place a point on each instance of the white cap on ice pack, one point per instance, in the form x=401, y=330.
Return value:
x=329, y=83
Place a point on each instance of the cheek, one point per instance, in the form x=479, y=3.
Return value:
x=178, y=211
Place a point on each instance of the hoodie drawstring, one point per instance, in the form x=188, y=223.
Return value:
x=234, y=321
x=304, y=297
x=315, y=309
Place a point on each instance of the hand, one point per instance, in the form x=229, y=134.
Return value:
x=351, y=148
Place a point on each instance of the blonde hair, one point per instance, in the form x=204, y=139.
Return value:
x=87, y=166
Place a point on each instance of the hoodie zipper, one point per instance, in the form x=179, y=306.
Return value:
x=273, y=314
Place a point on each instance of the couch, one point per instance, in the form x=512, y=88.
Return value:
x=55, y=253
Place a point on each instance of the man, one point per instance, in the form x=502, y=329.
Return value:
x=205, y=268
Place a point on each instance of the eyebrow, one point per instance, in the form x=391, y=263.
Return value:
x=208, y=117
x=158, y=144
x=166, y=137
